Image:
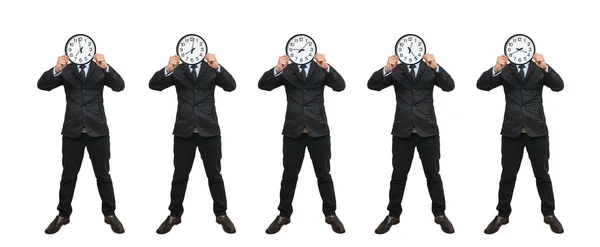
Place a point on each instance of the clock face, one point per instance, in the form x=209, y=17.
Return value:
x=519, y=49
x=410, y=49
x=80, y=49
x=301, y=49
x=191, y=49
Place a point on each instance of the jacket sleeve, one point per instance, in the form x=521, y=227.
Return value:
x=444, y=80
x=553, y=80
x=488, y=82
x=225, y=80
x=159, y=81
x=48, y=81
x=378, y=81
x=269, y=82
x=334, y=80
x=113, y=80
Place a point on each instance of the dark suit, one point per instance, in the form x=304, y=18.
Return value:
x=196, y=127
x=305, y=126
x=414, y=126
x=524, y=126
x=84, y=126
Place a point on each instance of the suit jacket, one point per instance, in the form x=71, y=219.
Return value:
x=195, y=100
x=414, y=97
x=85, y=104
x=523, y=97
x=305, y=103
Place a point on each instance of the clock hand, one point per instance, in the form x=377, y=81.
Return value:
x=193, y=46
x=302, y=49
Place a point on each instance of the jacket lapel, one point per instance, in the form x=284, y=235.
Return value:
x=311, y=70
x=186, y=70
x=91, y=70
x=530, y=69
x=296, y=71
x=203, y=67
x=422, y=67
x=404, y=68
x=513, y=69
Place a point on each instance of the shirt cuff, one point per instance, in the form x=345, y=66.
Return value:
x=547, y=70
x=494, y=74
x=167, y=73
x=54, y=72
x=275, y=72
x=328, y=68
x=219, y=69
x=107, y=68
x=385, y=74
x=438, y=69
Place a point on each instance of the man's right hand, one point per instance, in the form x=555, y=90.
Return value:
x=500, y=63
x=173, y=63
x=61, y=63
x=282, y=63
x=391, y=63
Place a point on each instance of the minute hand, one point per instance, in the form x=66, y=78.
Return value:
x=302, y=49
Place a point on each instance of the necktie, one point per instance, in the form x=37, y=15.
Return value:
x=82, y=72
x=194, y=75
x=413, y=73
x=522, y=71
x=303, y=72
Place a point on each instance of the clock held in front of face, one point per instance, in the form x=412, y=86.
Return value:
x=191, y=49
x=410, y=49
x=301, y=49
x=519, y=49
x=80, y=49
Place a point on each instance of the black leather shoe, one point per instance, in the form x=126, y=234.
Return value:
x=555, y=225
x=168, y=224
x=55, y=225
x=495, y=225
x=114, y=223
x=445, y=223
x=276, y=225
x=335, y=223
x=226, y=223
x=386, y=224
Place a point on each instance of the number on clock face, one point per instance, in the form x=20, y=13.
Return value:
x=519, y=49
x=80, y=49
x=191, y=49
x=301, y=49
x=410, y=49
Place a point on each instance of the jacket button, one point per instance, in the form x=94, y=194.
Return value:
x=414, y=90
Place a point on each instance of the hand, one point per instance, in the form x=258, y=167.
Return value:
x=430, y=61
x=500, y=63
x=173, y=63
x=282, y=63
x=99, y=58
x=320, y=58
x=61, y=63
x=539, y=61
x=211, y=59
x=391, y=63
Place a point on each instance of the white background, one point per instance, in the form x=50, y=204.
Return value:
x=247, y=37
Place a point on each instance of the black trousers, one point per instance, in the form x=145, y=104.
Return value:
x=184, y=153
x=403, y=150
x=538, y=149
x=293, y=156
x=99, y=151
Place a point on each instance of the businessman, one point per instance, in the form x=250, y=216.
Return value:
x=84, y=126
x=305, y=127
x=524, y=127
x=414, y=126
x=196, y=127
